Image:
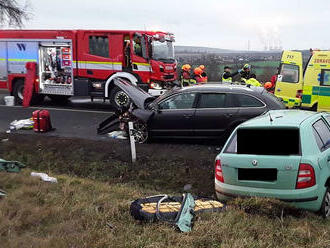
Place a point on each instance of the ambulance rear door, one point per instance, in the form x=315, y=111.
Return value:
x=324, y=91
x=316, y=91
x=290, y=79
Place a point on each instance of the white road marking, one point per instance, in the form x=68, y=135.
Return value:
x=60, y=109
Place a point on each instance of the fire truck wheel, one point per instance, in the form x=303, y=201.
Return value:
x=59, y=99
x=18, y=91
x=119, y=99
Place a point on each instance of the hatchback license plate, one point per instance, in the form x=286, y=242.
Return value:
x=268, y=175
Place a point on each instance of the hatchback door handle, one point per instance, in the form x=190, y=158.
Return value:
x=328, y=159
x=187, y=116
x=229, y=115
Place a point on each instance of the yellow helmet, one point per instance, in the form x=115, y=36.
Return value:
x=186, y=67
x=247, y=66
x=202, y=67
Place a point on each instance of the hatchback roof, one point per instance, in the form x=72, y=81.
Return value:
x=274, y=118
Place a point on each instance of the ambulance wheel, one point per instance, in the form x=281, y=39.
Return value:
x=18, y=91
x=119, y=99
x=59, y=99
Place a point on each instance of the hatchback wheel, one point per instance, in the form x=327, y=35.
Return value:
x=325, y=208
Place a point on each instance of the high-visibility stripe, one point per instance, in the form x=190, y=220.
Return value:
x=142, y=67
x=98, y=62
x=144, y=64
x=23, y=60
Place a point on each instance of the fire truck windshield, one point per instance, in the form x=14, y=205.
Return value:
x=163, y=51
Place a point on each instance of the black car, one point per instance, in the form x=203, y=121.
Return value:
x=209, y=111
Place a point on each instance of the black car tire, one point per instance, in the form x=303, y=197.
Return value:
x=325, y=207
x=119, y=99
x=140, y=132
x=18, y=91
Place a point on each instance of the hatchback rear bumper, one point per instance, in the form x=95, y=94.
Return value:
x=303, y=198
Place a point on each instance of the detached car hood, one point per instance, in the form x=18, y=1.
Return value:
x=139, y=97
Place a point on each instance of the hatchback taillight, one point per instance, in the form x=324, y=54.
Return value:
x=299, y=93
x=218, y=171
x=306, y=176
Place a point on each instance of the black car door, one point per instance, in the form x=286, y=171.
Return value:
x=249, y=106
x=213, y=114
x=174, y=116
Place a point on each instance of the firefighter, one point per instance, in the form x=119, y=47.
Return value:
x=245, y=73
x=198, y=75
x=227, y=76
x=204, y=75
x=273, y=81
x=185, y=75
x=137, y=46
x=269, y=87
x=253, y=81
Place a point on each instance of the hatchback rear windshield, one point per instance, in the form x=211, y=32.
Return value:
x=265, y=142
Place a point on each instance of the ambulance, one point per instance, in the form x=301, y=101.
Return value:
x=307, y=88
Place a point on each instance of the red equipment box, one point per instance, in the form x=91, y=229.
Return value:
x=41, y=121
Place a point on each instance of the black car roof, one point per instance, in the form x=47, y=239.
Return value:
x=222, y=88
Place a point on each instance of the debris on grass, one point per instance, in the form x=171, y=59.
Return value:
x=2, y=193
x=44, y=177
x=177, y=210
x=118, y=135
x=11, y=166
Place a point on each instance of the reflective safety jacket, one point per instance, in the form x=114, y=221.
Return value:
x=253, y=82
x=186, y=79
x=228, y=77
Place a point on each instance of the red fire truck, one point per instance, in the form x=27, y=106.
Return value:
x=85, y=62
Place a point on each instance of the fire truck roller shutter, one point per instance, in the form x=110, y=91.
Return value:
x=126, y=75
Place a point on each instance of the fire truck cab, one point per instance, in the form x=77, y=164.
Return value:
x=85, y=62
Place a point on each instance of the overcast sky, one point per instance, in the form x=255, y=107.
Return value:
x=296, y=24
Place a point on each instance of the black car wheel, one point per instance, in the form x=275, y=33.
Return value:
x=119, y=99
x=140, y=132
x=325, y=207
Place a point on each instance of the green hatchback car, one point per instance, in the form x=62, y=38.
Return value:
x=283, y=154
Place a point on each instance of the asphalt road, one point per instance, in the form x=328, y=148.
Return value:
x=79, y=118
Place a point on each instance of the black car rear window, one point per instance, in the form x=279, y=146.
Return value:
x=265, y=142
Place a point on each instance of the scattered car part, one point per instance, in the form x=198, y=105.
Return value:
x=147, y=209
x=2, y=193
x=44, y=177
x=11, y=166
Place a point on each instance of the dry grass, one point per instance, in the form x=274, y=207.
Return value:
x=89, y=207
x=80, y=213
